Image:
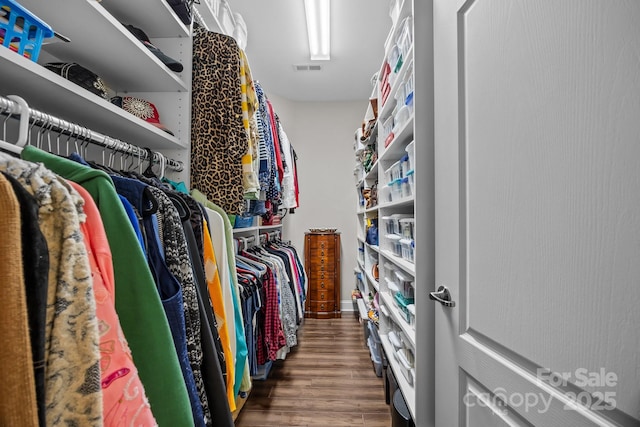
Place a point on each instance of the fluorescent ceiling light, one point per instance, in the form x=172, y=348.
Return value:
x=317, y=12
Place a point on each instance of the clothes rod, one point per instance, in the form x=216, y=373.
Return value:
x=55, y=124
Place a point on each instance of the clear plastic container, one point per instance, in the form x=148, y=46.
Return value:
x=406, y=249
x=402, y=117
x=411, y=152
x=394, y=245
x=405, y=38
x=404, y=283
x=396, y=190
x=393, y=172
x=404, y=165
x=406, y=189
x=397, y=229
x=406, y=228
x=411, y=176
x=388, y=224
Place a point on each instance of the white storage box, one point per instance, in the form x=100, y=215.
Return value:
x=396, y=190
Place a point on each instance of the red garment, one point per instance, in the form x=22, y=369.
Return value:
x=124, y=400
x=276, y=142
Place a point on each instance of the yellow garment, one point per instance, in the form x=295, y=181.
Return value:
x=250, y=104
x=215, y=293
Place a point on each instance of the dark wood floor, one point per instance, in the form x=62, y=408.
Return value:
x=327, y=380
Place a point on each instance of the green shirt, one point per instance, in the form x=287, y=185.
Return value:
x=138, y=304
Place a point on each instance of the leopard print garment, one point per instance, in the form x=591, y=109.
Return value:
x=218, y=138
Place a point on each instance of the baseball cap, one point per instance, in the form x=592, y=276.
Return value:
x=81, y=76
x=140, y=108
x=166, y=60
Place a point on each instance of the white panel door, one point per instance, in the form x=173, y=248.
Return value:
x=537, y=178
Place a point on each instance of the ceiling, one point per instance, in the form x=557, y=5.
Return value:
x=277, y=39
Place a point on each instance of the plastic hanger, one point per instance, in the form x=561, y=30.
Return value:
x=23, y=128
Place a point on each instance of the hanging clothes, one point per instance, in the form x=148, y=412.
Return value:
x=249, y=106
x=225, y=231
x=72, y=373
x=118, y=372
x=35, y=261
x=138, y=304
x=19, y=406
x=218, y=137
x=171, y=291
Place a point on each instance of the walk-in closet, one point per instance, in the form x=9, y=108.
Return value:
x=287, y=213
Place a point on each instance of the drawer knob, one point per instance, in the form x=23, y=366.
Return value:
x=321, y=306
x=322, y=260
x=322, y=285
x=321, y=296
x=322, y=253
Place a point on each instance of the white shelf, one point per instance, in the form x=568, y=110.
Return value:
x=407, y=266
x=373, y=281
x=407, y=389
x=396, y=148
x=100, y=43
x=256, y=228
x=404, y=202
x=398, y=320
x=48, y=92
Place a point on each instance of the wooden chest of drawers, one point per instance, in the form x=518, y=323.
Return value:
x=322, y=264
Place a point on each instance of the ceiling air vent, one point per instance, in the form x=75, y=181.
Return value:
x=307, y=67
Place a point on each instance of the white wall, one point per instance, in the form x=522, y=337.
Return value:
x=322, y=135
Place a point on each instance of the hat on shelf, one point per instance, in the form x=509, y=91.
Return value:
x=140, y=108
x=166, y=60
x=81, y=76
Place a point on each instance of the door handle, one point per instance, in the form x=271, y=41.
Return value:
x=443, y=296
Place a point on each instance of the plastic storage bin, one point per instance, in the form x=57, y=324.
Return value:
x=406, y=188
x=375, y=348
x=404, y=283
x=388, y=224
x=243, y=222
x=22, y=31
x=404, y=165
x=406, y=249
x=407, y=227
x=411, y=152
x=396, y=189
x=394, y=245
x=411, y=177
x=395, y=218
